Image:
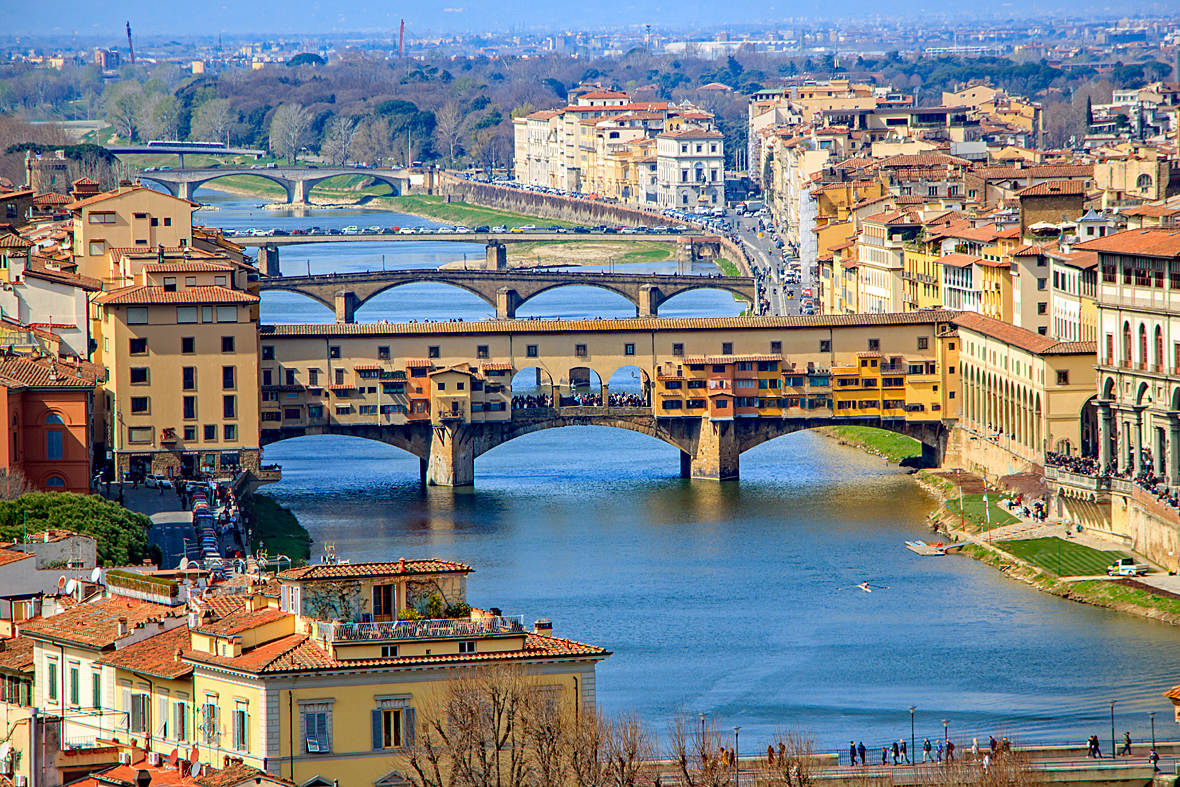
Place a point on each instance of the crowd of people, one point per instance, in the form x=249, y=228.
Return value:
x=1143, y=477
x=938, y=751
x=531, y=402
x=579, y=400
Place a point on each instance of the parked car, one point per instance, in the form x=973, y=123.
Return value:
x=158, y=482
x=483, y=228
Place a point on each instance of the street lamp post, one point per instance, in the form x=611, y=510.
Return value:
x=1112, y=750
x=913, y=748
x=1152, y=715
x=946, y=731
x=737, y=760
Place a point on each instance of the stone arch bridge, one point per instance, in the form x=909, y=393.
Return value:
x=505, y=290
x=296, y=181
x=709, y=449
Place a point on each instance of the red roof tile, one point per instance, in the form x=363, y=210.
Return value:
x=95, y=624
x=17, y=655
x=382, y=569
x=38, y=268
x=139, y=294
x=1148, y=242
x=154, y=655
x=243, y=620
x=20, y=370
x=1054, y=188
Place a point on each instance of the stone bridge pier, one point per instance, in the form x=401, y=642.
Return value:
x=346, y=305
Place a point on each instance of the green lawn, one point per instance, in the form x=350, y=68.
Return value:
x=1061, y=557
x=973, y=511
x=277, y=530
x=461, y=212
x=893, y=447
x=1102, y=592
x=728, y=268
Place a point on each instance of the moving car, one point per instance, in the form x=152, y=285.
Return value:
x=1124, y=567
x=158, y=482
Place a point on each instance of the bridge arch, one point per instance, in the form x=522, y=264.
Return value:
x=187, y=188
x=311, y=183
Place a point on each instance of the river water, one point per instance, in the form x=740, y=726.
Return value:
x=730, y=599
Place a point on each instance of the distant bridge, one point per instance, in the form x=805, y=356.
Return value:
x=505, y=290
x=689, y=247
x=296, y=181
x=180, y=149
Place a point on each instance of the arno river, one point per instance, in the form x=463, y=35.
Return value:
x=727, y=599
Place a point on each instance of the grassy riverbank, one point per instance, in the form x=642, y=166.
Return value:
x=277, y=530
x=890, y=446
x=1043, y=562
x=436, y=208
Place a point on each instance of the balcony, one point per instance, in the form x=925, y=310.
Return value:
x=394, y=631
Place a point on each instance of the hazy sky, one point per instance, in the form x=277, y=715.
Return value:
x=182, y=17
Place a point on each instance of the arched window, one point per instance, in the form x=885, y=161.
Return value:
x=55, y=482
x=1158, y=360
x=53, y=418
x=1142, y=343
x=1143, y=182
x=1127, y=343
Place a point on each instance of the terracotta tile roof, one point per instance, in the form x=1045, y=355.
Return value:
x=38, y=268
x=12, y=556
x=631, y=324
x=20, y=370
x=923, y=160
x=242, y=620
x=495, y=366
x=17, y=655
x=1037, y=171
x=1054, y=188
x=1148, y=242
x=154, y=655
x=413, y=363
x=368, y=366
x=691, y=133
x=143, y=294
x=1082, y=259
x=291, y=653
x=1020, y=337
x=14, y=241
x=299, y=653
x=959, y=260
x=95, y=624
x=106, y=195
x=894, y=218
x=51, y=198
x=188, y=266
x=382, y=569
x=234, y=775
x=224, y=605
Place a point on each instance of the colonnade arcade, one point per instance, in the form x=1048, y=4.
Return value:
x=1138, y=435
x=1002, y=406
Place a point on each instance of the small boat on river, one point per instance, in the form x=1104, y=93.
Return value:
x=928, y=550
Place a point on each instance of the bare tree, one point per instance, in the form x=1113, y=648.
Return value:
x=695, y=751
x=372, y=143
x=790, y=760
x=13, y=484
x=290, y=131
x=159, y=116
x=121, y=106
x=448, y=128
x=214, y=120
x=337, y=139
x=630, y=751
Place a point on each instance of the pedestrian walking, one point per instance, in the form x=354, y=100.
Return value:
x=975, y=749
x=896, y=752
x=852, y=752
x=1154, y=759
x=926, y=751
x=860, y=749
x=904, y=755
x=884, y=755
x=940, y=749
x=987, y=761
x=769, y=755
x=1126, y=744
x=950, y=751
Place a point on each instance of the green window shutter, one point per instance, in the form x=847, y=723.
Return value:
x=378, y=738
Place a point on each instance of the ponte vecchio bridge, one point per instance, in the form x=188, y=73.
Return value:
x=712, y=387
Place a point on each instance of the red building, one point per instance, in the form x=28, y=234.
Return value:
x=47, y=406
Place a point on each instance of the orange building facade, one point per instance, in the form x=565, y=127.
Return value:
x=47, y=408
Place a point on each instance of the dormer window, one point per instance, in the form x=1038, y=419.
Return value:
x=169, y=284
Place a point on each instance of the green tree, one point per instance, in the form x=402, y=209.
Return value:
x=121, y=534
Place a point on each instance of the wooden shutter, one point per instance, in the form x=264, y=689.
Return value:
x=411, y=727
x=378, y=738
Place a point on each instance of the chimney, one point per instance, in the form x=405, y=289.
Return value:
x=177, y=654
x=122, y=628
x=160, y=253
x=45, y=535
x=401, y=566
x=544, y=627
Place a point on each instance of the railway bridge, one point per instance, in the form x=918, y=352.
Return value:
x=505, y=290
